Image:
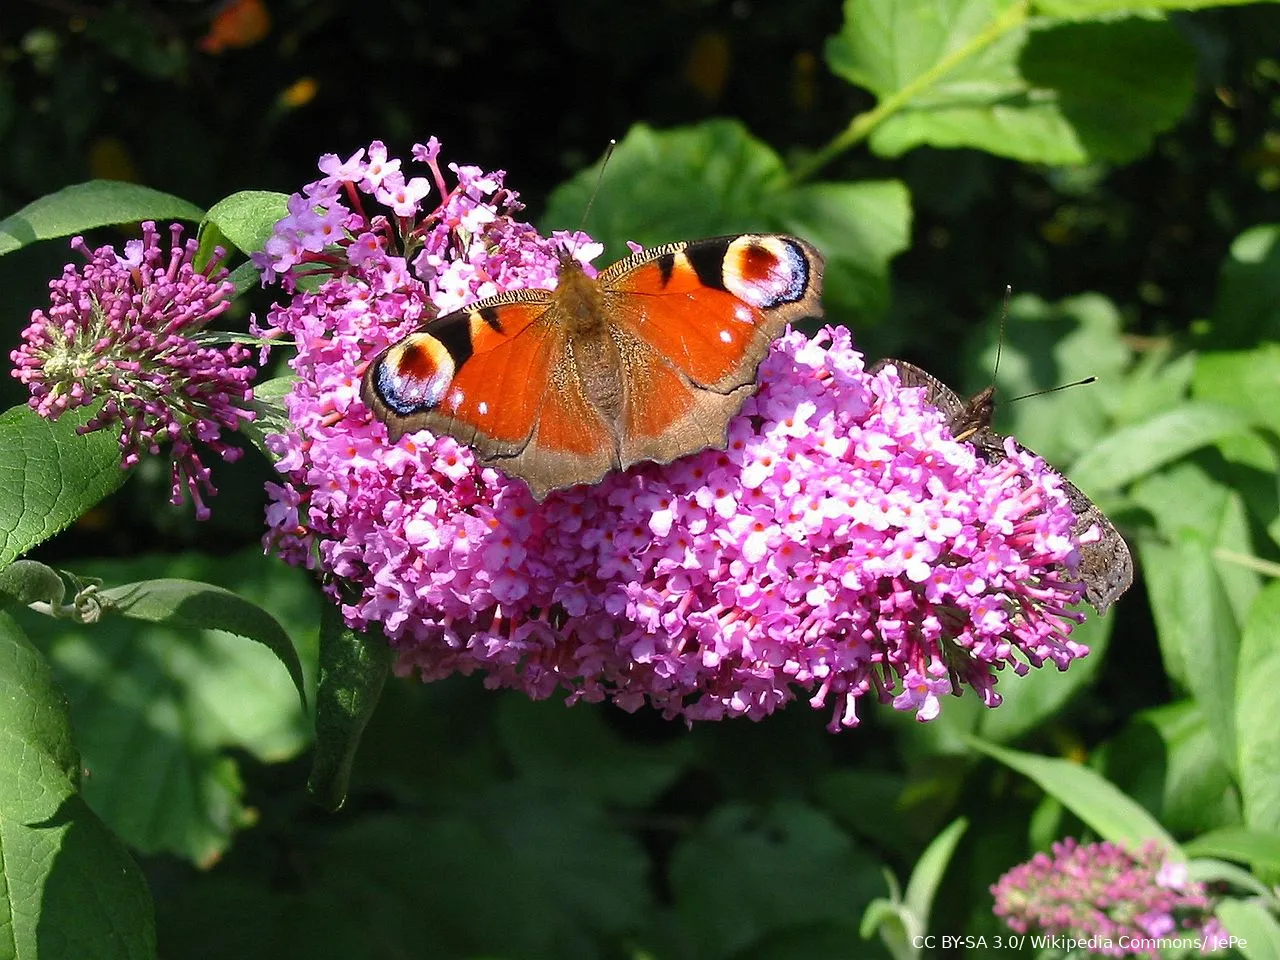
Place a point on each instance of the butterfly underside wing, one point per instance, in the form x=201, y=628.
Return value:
x=1106, y=566
x=648, y=361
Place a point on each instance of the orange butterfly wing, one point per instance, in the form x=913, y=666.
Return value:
x=473, y=375
x=495, y=378
x=648, y=362
x=702, y=316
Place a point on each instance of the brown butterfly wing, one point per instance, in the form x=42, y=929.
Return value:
x=1106, y=566
x=693, y=321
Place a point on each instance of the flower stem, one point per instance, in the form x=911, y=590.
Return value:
x=1248, y=561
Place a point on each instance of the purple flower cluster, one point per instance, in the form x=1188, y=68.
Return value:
x=126, y=329
x=841, y=545
x=1121, y=904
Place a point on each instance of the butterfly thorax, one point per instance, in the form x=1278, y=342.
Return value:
x=580, y=300
x=590, y=345
x=978, y=414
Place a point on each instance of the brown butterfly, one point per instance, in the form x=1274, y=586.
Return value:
x=650, y=360
x=1106, y=566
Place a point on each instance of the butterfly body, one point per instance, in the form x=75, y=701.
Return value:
x=1106, y=566
x=650, y=360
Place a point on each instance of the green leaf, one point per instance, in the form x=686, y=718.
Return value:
x=26, y=581
x=245, y=218
x=1136, y=450
x=1210, y=870
x=1261, y=628
x=68, y=888
x=743, y=875
x=1255, y=926
x=1259, y=742
x=1116, y=84
x=353, y=669
x=272, y=416
x=859, y=227
x=50, y=475
x=35, y=731
x=244, y=277
x=189, y=605
x=1105, y=809
x=1209, y=640
x=1248, y=380
x=1037, y=697
x=555, y=747
x=83, y=206
x=1182, y=498
x=1258, y=848
x=715, y=178
x=159, y=709
x=557, y=869
x=1248, y=306
x=889, y=919
x=678, y=184
x=1155, y=383
x=1101, y=8
x=977, y=73
x=927, y=874
x=1167, y=760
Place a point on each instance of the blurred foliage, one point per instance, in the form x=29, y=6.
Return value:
x=1135, y=215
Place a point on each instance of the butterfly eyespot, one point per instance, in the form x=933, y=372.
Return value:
x=766, y=271
x=413, y=375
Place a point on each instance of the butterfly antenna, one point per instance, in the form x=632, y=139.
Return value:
x=608, y=152
x=1004, y=315
x=1061, y=386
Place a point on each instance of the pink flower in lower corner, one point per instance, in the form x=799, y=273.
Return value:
x=126, y=331
x=842, y=545
x=1113, y=902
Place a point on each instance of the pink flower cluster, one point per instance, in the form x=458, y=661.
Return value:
x=841, y=545
x=469, y=247
x=1122, y=904
x=126, y=330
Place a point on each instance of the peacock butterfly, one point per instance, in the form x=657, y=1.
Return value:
x=650, y=360
x=1106, y=567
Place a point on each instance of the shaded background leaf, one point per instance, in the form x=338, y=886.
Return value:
x=49, y=476
x=84, y=206
x=70, y=887
x=157, y=708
